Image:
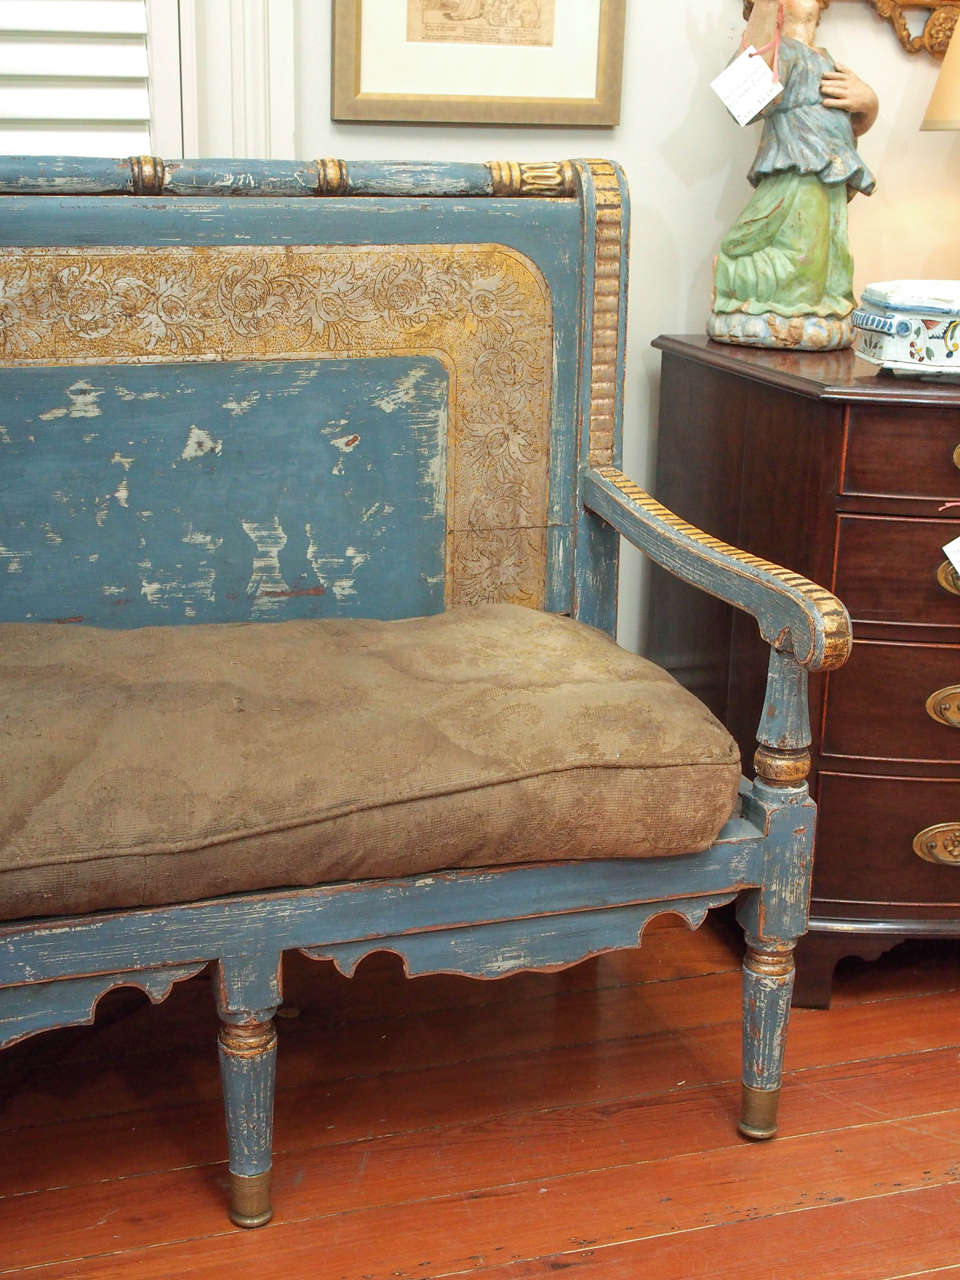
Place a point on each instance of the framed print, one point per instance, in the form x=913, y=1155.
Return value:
x=461, y=61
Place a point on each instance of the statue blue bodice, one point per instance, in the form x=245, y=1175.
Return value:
x=801, y=134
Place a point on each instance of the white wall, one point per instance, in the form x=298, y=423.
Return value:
x=685, y=158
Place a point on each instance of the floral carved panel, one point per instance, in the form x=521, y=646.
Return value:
x=482, y=309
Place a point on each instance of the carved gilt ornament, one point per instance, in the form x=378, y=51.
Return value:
x=941, y=18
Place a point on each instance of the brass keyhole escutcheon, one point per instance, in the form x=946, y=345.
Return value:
x=944, y=706
x=940, y=844
x=948, y=578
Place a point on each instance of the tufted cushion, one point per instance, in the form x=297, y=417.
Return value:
x=170, y=764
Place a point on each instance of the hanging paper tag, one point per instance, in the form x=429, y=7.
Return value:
x=746, y=86
x=952, y=552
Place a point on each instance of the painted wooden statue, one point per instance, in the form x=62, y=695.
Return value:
x=784, y=273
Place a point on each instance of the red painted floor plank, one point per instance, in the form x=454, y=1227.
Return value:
x=565, y=1124
x=544, y=1184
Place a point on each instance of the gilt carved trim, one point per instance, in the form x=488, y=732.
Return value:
x=331, y=177
x=484, y=310
x=606, y=313
x=942, y=18
x=147, y=175
x=552, y=178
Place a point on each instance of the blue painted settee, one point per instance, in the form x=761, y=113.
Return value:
x=308, y=551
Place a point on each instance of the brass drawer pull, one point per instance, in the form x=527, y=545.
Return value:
x=956, y=457
x=944, y=706
x=940, y=844
x=948, y=578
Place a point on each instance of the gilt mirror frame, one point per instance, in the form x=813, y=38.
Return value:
x=941, y=18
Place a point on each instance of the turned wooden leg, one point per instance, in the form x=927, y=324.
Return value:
x=249, y=991
x=767, y=987
x=775, y=915
x=248, y=1057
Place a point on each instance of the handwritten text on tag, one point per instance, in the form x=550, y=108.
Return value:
x=746, y=86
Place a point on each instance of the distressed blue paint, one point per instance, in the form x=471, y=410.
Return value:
x=547, y=232
x=785, y=721
x=248, y=984
x=248, y=1090
x=344, y=913
x=240, y=177
x=559, y=593
x=249, y=1083
x=293, y=178
x=773, y=916
x=776, y=913
x=141, y=495
x=766, y=1012
x=80, y=175
x=26, y=1010
x=365, y=178
x=512, y=946
x=96, y=175
x=596, y=572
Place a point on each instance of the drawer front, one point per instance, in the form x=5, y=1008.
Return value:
x=887, y=570
x=903, y=451
x=865, y=836
x=895, y=702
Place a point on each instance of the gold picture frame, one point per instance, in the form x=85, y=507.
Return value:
x=599, y=105
x=941, y=20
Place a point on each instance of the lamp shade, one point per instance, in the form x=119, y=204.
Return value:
x=944, y=109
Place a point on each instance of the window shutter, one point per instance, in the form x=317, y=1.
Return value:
x=74, y=77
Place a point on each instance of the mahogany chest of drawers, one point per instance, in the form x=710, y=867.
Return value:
x=850, y=476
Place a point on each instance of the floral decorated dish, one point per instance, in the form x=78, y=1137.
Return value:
x=911, y=326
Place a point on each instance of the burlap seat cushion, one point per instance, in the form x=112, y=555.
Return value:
x=171, y=764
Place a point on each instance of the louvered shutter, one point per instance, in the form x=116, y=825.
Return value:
x=74, y=77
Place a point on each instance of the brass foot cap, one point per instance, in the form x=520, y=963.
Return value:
x=755, y=1134
x=251, y=1220
x=250, y=1199
x=758, y=1115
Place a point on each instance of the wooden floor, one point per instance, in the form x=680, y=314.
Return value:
x=580, y=1121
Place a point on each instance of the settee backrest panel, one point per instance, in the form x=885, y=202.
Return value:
x=222, y=409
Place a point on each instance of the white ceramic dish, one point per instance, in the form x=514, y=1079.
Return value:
x=911, y=326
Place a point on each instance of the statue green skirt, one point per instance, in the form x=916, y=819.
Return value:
x=784, y=274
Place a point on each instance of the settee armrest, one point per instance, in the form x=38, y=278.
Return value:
x=794, y=615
